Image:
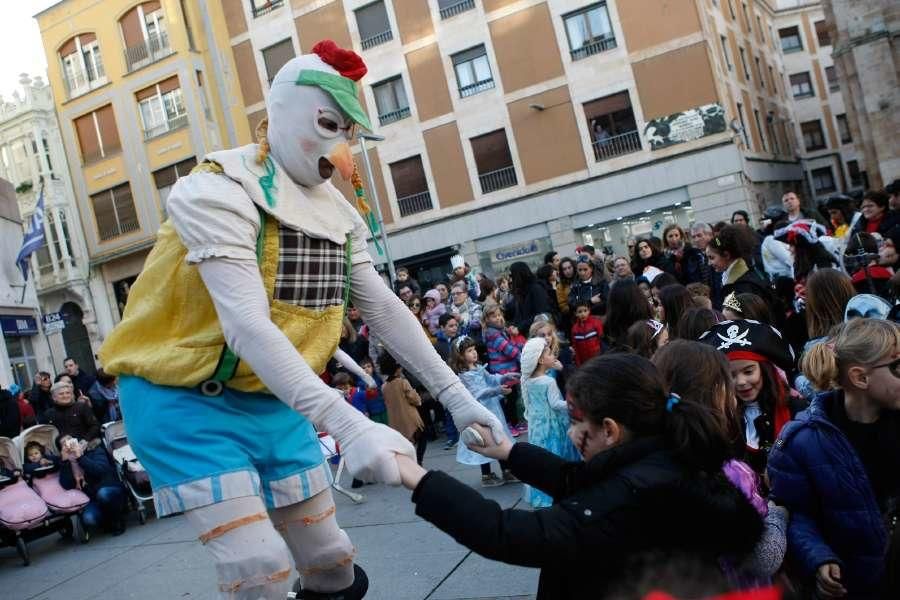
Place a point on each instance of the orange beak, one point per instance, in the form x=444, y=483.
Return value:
x=342, y=159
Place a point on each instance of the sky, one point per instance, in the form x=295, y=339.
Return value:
x=20, y=43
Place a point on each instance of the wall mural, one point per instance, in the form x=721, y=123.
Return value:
x=685, y=126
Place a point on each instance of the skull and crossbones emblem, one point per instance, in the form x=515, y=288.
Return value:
x=734, y=337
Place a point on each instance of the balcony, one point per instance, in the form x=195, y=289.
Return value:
x=165, y=127
x=617, y=145
x=78, y=82
x=265, y=7
x=393, y=116
x=593, y=47
x=476, y=88
x=375, y=40
x=152, y=49
x=497, y=180
x=416, y=203
x=457, y=8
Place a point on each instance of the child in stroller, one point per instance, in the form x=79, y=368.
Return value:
x=36, y=457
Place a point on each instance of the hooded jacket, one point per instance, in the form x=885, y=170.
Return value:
x=430, y=316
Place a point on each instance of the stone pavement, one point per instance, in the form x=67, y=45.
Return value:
x=405, y=557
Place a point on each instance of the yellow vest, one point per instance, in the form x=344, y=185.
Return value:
x=170, y=333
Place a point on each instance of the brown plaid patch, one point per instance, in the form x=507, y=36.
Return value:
x=311, y=272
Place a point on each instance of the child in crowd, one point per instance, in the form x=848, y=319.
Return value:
x=374, y=401
x=587, y=333
x=503, y=358
x=489, y=389
x=546, y=329
x=701, y=295
x=402, y=403
x=355, y=395
x=644, y=338
x=36, y=457
x=433, y=310
x=545, y=409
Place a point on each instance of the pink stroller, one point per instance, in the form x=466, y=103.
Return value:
x=45, y=481
x=21, y=509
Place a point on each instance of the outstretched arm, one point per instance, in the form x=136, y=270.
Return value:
x=348, y=363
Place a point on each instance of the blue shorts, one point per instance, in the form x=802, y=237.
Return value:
x=200, y=450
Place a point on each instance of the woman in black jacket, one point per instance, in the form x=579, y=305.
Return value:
x=729, y=254
x=589, y=286
x=529, y=296
x=651, y=489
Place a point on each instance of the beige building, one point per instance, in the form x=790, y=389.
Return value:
x=514, y=126
x=827, y=146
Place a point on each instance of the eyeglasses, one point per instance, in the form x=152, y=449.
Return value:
x=415, y=305
x=460, y=293
x=893, y=367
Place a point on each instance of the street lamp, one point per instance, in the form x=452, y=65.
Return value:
x=374, y=193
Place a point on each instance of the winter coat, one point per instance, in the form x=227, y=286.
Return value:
x=609, y=513
x=401, y=401
x=442, y=345
x=410, y=283
x=689, y=267
x=835, y=517
x=76, y=420
x=469, y=316
x=583, y=291
x=586, y=339
x=359, y=398
x=877, y=281
x=374, y=398
x=431, y=316
x=10, y=420
x=743, y=280
x=527, y=306
x=889, y=221
x=41, y=400
x=98, y=472
x=503, y=353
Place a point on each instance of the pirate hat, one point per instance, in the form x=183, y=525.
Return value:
x=750, y=340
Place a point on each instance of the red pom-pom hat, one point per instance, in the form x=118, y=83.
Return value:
x=346, y=62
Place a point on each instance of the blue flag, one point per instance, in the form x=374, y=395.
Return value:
x=34, y=236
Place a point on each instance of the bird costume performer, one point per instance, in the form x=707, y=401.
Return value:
x=238, y=308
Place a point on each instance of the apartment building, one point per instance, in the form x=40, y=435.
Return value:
x=514, y=126
x=33, y=158
x=830, y=160
x=142, y=92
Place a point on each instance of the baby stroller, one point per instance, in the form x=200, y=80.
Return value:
x=45, y=481
x=21, y=509
x=130, y=471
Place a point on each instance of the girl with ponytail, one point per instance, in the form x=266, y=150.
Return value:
x=650, y=488
x=836, y=467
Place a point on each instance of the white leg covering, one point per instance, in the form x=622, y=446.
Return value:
x=322, y=551
x=252, y=559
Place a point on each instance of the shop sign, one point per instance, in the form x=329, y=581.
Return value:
x=53, y=322
x=685, y=126
x=514, y=252
x=18, y=325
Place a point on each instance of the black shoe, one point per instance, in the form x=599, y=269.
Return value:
x=356, y=591
x=357, y=483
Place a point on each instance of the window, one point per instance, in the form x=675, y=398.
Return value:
x=762, y=137
x=731, y=10
x=390, y=99
x=772, y=80
x=773, y=135
x=823, y=181
x=760, y=30
x=114, y=211
x=612, y=126
x=747, y=18
x=46, y=147
x=374, y=26
x=97, y=134
x=81, y=64
x=725, y=52
x=759, y=73
x=162, y=108
x=744, y=64
x=45, y=262
x=411, y=186
x=264, y=7
x=790, y=39
x=844, y=129
x=740, y=108
x=276, y=56
x=451, y=8
x=831, y=75
x=187, y=26
x=822, y=33
x=589, y=31
x=858, y=179
x=144, y=34
x=813, y=138
x=493, y=161
x=473, y=72
x=166, y=177
x=801, y=85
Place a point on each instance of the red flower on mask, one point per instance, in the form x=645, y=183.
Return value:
x=346, y=62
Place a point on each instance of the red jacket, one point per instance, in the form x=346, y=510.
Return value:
x=586, y=339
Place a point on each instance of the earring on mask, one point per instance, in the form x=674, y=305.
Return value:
x=262, y=128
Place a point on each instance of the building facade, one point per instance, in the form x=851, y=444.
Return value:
x=33, y=158
x=514, y=126
x=830, y=159
x=142, y=94
x=867, y=59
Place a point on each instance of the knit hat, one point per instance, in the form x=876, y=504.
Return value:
x=14, y=389
x=750, y=340
x=434, y=295
x=457, y=261
x=531, y=354
x=868, y=306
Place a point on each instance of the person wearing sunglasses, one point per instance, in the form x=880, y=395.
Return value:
x=835, y=467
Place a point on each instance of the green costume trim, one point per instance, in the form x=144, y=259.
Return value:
x=267, y=181
x=341, y=89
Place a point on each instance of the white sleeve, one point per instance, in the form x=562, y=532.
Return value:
x=555, y=397
x=214, y=217
x=359, y=240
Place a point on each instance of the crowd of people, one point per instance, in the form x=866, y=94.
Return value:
x=723, y=395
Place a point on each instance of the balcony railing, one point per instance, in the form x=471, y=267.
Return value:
x=114, y=230
x=165, y=127
x=392, y=116
x=476, y=88
x=152, y=49
x=415, y=203
x=497, y=180
x=380, y=38
x=266, y=8
x=617, y=145
x=594, y=47
x=78, y=82
x=454, y=9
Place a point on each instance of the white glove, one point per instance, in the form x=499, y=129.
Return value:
x=466, y=410
x=367, y=379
